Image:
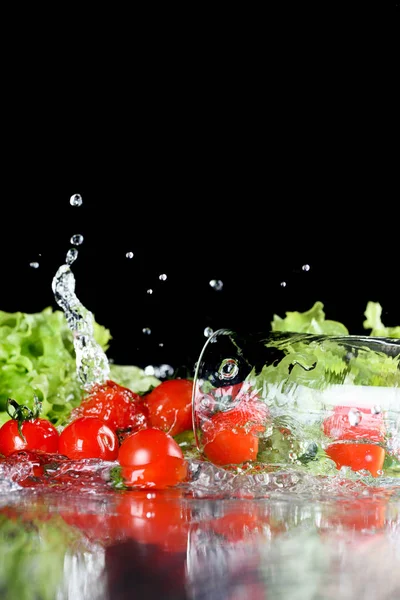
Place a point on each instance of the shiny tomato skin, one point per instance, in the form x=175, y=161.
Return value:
x=88, y=437
x=232, y=448
x=117, y=406
x=231, y=437
x=170, y=406
x=147, y=446
x=157, y=475
x=151, y=459
x=357, y=456
x=39, y=435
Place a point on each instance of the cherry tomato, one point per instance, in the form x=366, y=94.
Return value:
x=151, y=458
x=88, y=437
x=117, y=406
x=340, y=425
x=357, y=456
x=231, y=437
x=37, y=434
x=170, y=406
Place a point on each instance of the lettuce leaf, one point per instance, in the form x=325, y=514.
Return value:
x=37, y=357
x=133, y=378
x=310, y=321
x=373, y=321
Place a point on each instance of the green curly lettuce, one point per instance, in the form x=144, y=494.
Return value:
x=37, y=358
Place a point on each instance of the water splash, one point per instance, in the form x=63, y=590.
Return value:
x=91, y=362
x=208, y=331
x=72, y=255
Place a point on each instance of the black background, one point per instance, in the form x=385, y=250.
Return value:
x=250, y=216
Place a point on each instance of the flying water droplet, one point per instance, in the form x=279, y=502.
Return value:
x=150, y=291
x=161, y=345
x=165, y=371
x=72, y=255
x=208, y=332
x=162, y=277
x=376, y=409
x=77, y=239
x=34, y=265
x=354, y=416
x=216, y=284
x=75, y=200
x=283, y=284
x=146, y=330
x=129, y=255
x=149, y=370
x=306, y=267
x=91, y=361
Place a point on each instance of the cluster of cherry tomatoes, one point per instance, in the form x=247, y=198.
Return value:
x=113, y=423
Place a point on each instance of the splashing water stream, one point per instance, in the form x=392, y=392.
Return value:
x=91, y=361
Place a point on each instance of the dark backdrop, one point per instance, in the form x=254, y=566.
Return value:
x=249, y=220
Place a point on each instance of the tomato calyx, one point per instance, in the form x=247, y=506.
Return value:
x=22, y=413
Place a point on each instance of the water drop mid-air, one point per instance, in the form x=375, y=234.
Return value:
x=75, y=200
x=77, y=239
x=216, y=284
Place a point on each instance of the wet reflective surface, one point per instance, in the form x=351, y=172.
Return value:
x=121, y=545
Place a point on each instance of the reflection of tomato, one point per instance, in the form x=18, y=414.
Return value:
x=151, y=458
x=357, y=456
x=89, y=437
x=159, y=518
x=230, y=437
x=358, y=515
x=170, y=406
x=370, y=426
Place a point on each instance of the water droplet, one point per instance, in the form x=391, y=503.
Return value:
x=208, y=332
x=72, y=255
x=77, y=239
x=161, y=344
x=162, y=277
x=376, y=409
x=149, y=370
x=129, y=255
x=283, y=283
x=216, y=284
x=150, y=291
x=165, y=371
x=34, y=265
x=75, y=200
x=306, y=267
x=146, y=330
x=354, y=416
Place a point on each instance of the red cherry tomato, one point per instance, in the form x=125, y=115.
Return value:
x=170, y=406
x=231, y=437
x=117, y=406
x=150, y=458
x=39, y=434
x=357, y=456
x=370, y=426
x=88, y=437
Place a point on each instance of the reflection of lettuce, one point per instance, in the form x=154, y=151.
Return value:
x=32, y=557
x=373, y=321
